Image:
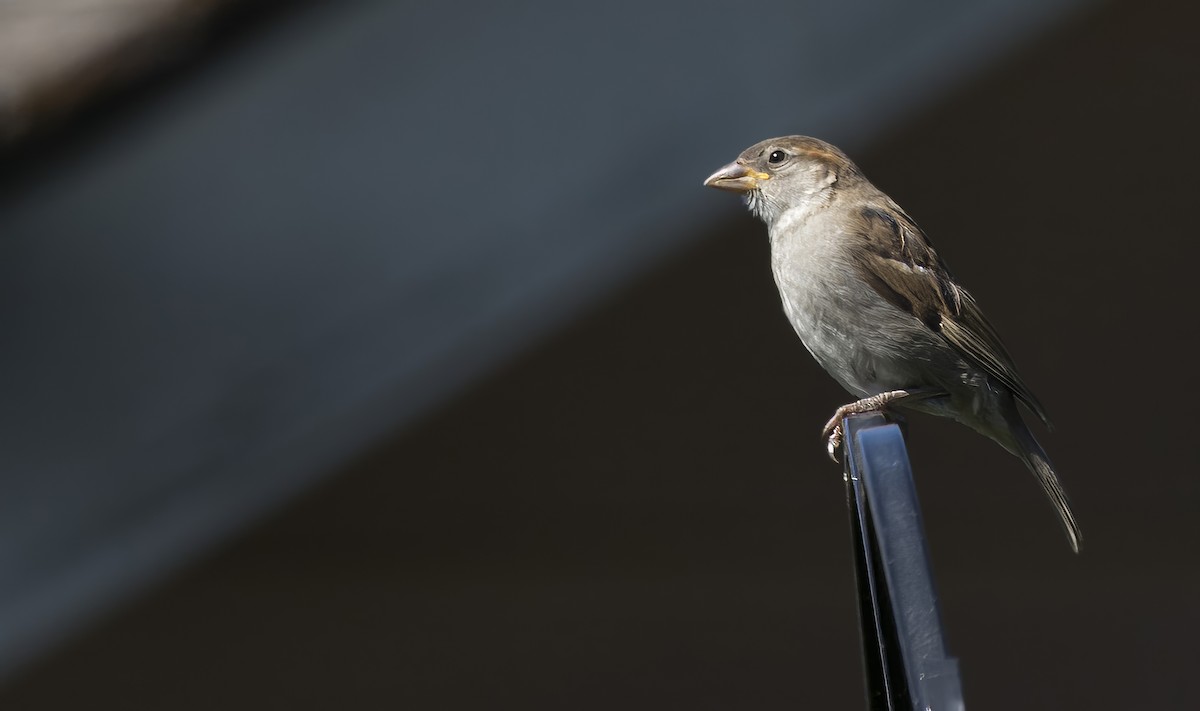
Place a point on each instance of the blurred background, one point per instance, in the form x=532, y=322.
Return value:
x=391, y=355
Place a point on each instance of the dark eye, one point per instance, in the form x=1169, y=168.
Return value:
x=777, y=157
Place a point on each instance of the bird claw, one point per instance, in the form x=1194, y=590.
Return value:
x=833, y=441
x=876, y=403
x=834, y=424
x=832, y=433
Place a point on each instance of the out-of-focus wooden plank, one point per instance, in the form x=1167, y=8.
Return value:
x=57, y=54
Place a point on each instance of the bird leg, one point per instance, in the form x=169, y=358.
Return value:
x=875, y=403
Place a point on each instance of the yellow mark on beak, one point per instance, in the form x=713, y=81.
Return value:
x=736, y=177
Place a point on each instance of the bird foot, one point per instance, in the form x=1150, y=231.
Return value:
x=834, y=441
x=833, y=432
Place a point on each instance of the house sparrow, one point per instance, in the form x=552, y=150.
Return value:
x=876, y=307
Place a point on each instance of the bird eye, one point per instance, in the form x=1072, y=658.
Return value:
x=776, y=157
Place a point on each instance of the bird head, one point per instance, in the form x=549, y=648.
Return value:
x=781, y=173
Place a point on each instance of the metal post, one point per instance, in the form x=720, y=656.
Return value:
x=904, y=653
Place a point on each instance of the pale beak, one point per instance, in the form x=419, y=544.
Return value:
x=736, y=177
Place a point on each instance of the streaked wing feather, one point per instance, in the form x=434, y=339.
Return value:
x=900, y=264
x=973, y=336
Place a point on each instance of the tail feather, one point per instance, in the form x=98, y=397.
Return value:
x=1035, y=458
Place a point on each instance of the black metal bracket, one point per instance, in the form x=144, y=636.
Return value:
x=904, y=652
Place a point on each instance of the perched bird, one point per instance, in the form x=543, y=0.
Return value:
x=876, y=307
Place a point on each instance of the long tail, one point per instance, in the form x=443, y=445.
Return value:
x=1035, y=458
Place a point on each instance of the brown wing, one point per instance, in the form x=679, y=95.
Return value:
x=900, y=264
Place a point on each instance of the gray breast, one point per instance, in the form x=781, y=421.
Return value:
x=863, y=341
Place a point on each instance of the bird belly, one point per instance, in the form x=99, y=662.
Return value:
x=862, y=358
x=867, y=344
